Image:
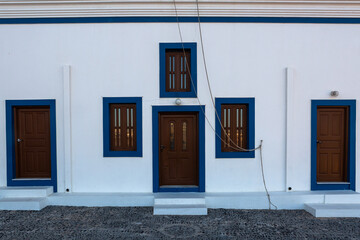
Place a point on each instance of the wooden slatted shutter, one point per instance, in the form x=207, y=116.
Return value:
x=234, y=121
x=177, y=70
x=123, y=127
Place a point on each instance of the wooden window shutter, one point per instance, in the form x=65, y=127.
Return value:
x=177, y=70
x=234, y=121
x=123, y=127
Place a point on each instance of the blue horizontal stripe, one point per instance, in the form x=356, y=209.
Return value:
x=181, y=19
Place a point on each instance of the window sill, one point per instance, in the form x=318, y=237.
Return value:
x=191, y=94
x=123, y=154
x=235, y=154
x=333, y=183
x=31, y=179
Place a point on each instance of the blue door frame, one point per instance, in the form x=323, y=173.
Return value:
x=155, y=118
x=351, y=148
x=10, y=146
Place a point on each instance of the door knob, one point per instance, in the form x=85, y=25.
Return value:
x=19, y=140
x=318, y=141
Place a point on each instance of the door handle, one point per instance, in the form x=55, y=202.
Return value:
x=318, y=141
x=19, y=140
x=162, y=147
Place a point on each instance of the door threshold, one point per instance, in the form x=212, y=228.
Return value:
x=179, y=186
x=31, y=179
x=333, y=183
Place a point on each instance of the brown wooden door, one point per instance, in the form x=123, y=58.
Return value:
x=178, y=149
x=332, y=128
x=32, y=142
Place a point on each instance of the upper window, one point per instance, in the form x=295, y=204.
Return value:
x=178, y=70
x=122, y=127
x=236, y=128
x=177, y=77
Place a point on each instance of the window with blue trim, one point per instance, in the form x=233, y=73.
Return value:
x=178, y=70
x=122, y=126
x=235, y=127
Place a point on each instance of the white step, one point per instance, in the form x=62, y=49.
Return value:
x=333, y=210
x=25, y=192
x=177, y=209
x=22, y=203
x=180, y=204
x=179, y=200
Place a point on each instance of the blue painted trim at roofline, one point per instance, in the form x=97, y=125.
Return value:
x=10, y=146
x=181, y=19
x=250, y=131
x=155, y=122
x=193, y=68
x=352, y=140
x=106, y=126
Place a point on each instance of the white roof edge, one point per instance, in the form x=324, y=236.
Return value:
x=223, y=8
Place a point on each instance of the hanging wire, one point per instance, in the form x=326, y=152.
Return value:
x=236, y=147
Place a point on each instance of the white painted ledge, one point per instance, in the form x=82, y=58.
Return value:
x=25, y=192
x=225, y=8
x=102, y=199
x=245, y=200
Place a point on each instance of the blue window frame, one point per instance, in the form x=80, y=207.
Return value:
x=250, y=103
x=10, y=135
x=193, y=70
x=351, y=147
x=107, y=101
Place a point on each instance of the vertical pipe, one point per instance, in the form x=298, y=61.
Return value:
x=288, y=126
x=67, y=129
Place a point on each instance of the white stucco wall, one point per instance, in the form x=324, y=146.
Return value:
x=122, y=60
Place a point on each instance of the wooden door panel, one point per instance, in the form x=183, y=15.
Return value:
x=32, y=142
x=338, y=125
x=178, y=163
x=332, y=144
x=323, y=163
x=324, y=126
x=336, y=163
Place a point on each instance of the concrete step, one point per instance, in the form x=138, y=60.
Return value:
x=23, y=203
x=333, y=210
x=183, y=200
x=25, y=192
x=180, y=204
x=178, y=209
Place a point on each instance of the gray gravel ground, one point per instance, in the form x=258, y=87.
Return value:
x=139, y=223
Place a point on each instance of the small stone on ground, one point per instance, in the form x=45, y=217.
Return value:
x=140, y=223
